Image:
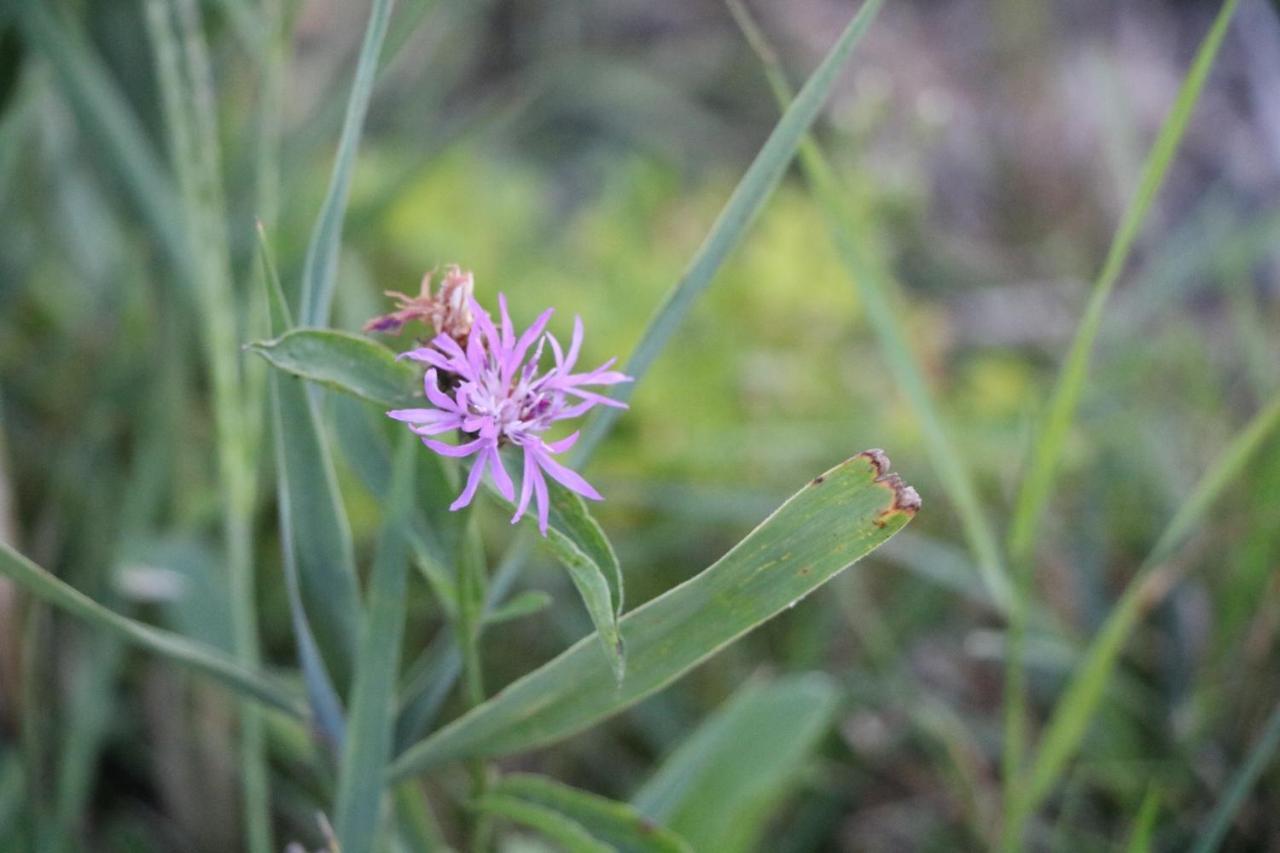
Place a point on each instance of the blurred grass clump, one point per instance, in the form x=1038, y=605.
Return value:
x=1107, y=683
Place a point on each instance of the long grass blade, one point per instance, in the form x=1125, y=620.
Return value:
x=367, y=749
x=321, y=694
x=1079, y=702
x=1037, y=484
x=731, y=225
x=173, y=647
x=874, y=289
x=320, y=270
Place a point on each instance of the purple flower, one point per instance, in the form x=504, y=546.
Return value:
x=495, y=395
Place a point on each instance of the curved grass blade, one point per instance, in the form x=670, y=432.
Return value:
x=368, y=748
x=170, y=646
x=718, y=788
x=570, y=836
x=875, y=291
x=323, y=698
x=1047, y=447
x=1075, y=709
x=320, y=270
x=612, y=822
x=748, y=198
x=1144, y=824
x=822, y=529
x=345, y=362
x=1260, y=755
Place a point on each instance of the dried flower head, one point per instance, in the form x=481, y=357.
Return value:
x=499, y=395
x=448, y=311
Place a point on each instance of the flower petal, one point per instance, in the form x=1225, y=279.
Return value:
x=455, y=450
x=544, y=505
x=531, y=473
x=473, y=482
x=501, y=478
x=571, y=480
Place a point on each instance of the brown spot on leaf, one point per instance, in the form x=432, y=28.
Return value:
x=878, y=459
x=819, y=480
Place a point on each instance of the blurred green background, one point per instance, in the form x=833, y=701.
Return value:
x=574, y=154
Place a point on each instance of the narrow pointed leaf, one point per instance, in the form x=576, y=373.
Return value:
x=168, y=645
x=525, y=604
x=345, y=362
x=824, y=528
x=321, y=267
x=373, y=700
x=739, y=212
x=321, y=694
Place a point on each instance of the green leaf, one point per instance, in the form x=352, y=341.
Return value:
x=345, y=362
x=589, y=578
x=610, y=821
x=747, y=199
x=821, y=530
x=877, y=293
x=320, y=269
x=571, y=836
x=321, y=694
x=1075, y=709
x=319, y=551
x=719, y=787
x=367, y=749
x=572, y=516
x=1052, y=434
x=170, y=646
x=525, y=604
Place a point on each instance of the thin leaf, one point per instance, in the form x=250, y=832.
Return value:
x=345, y=362
x=1052, y=435
x=612, y=822
x=320, y=270
x=1145, y=823
x=1260, y=755
x=315, y=535
x=875, y=290
x=826, y=526
x=718, y=788
x=571, y=836
x=365, y=754
x=173, y=647
x=748, y=198
x=321, y=694
x=574, y=518
x=1076, y=707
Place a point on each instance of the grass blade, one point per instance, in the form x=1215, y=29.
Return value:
x=1052, y=435
x=617, y=824
x=320, y=270
x=718, y=788
x=874, y=289
x=1075, y=709
x=324, y=700
x=747, y=199
x=315, y=536
x=825, y=527
x=1259, y=757
x=368, y=748
x=172, y=647
x=1144, y=824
